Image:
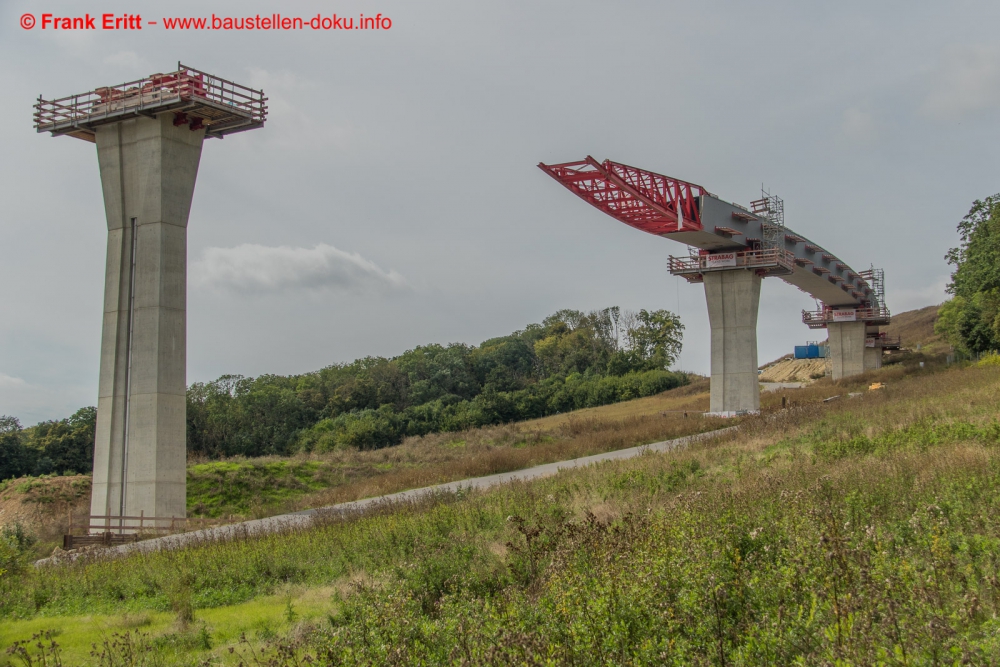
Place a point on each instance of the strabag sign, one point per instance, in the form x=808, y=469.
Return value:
x=845, y=315
x=720, y=259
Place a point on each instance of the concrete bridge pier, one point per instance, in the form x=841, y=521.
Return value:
x=848, y=353
x=733, y=297
x=873, y=355
x=148, y=170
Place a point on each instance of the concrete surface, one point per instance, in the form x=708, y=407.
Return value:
x=775, y=386
x=733, y=298
x=847, y=348
x=873, y=355
x=148, y=171
x=304, y=519
x=848, y=354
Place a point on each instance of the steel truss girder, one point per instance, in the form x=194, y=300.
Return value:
x=648, y=201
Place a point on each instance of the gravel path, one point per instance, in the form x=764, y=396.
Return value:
x=304, y=518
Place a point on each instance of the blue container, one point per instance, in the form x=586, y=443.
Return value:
x=807, y=351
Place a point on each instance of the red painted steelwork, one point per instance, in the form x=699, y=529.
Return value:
x=642, y=199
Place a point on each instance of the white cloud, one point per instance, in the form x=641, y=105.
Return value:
x=256, y=269
x=967, y=82
x=8, y=382
x=858, y=125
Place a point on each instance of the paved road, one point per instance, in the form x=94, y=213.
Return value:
x=304, y=518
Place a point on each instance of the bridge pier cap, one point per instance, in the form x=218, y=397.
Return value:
x=149, y=136
x=728, y=239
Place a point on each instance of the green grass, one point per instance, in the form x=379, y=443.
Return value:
x=248, y=487
x=259, y=620
x=862, y=531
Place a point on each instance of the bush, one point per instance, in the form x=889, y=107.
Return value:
x=991, y=359
x=372, y=429
x=15, y=549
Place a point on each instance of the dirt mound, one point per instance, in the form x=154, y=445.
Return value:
x=794, y=370
x=43, y=504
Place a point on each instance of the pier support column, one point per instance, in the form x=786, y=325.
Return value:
x=847, y=348
x=148, y=171
x=733, y=297
x=873, y=355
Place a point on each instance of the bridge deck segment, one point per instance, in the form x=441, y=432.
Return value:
x=690, y=214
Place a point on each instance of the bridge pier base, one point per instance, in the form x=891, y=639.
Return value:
x=733, y=297
x=848, y=353
x=873, y=355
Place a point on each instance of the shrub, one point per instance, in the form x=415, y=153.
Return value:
x=15, y=549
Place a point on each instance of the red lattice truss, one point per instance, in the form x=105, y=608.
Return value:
x=651, y=202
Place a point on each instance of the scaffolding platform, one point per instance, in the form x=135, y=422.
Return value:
x=884, y=341
x=769, y=262
x=819, y=319
x=196, y=98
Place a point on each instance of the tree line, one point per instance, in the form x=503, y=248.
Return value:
x=570, y=360
x=64, y=446
x=970, y=320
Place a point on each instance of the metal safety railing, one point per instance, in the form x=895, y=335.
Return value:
x=820, y=318
x=884, y=342
x=185, y=84
x=109, y=529
x=747, y=259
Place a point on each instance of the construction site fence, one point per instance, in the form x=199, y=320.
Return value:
x=108, y=530
x=972, y=357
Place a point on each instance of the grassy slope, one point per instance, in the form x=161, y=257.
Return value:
x=254, y=488
x=917, y=327
x=859, y=530
x=266, y=486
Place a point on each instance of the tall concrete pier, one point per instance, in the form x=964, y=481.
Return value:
x=733, y=298
x=148, y=172
x=149, y=135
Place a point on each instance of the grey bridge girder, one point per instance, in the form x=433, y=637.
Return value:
x=716, y=213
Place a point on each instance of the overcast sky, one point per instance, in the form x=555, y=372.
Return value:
x=392, y=199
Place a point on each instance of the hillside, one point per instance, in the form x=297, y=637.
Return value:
x=571, y=360
x=916, y=327
x=254, y=487
x=808, y=516
x=244, y=488
x=44, y=504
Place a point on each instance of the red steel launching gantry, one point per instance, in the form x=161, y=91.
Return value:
x=649, y=202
